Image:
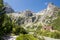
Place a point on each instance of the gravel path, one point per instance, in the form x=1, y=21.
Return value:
x=10, y=37
x=48, y=38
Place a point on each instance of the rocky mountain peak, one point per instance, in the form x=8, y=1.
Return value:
x=50, y=6
x=8, y=9
x=28, y=13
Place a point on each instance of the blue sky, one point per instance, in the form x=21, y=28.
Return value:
x=34, y=5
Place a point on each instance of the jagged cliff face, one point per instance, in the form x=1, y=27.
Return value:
x=50, y=14
x=8, y=8
x=44, y=17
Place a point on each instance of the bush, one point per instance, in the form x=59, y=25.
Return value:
x=6, y=26
x=18, y=29
x=26, y=37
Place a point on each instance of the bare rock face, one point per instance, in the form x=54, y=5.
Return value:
x=50, y=6
x=50, y=14
x=8, y=8
x=28, y=13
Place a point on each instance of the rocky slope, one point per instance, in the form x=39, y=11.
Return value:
x=44, y=17
x=50, y=14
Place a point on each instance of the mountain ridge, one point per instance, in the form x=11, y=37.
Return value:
x=28, y=16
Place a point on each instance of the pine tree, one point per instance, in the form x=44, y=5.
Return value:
x=2, y=15
x=1, y=4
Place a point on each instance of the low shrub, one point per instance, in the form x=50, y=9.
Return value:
x=55, y=34
x=26, y=37
x=18, y=29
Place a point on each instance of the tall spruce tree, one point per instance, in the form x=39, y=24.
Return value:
x=2, y=15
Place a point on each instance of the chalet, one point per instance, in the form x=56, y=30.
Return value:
x=47, y=28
